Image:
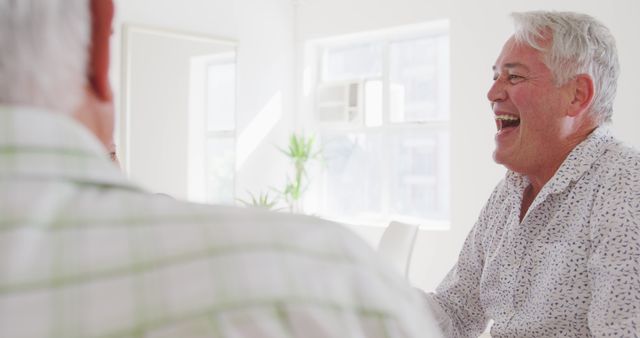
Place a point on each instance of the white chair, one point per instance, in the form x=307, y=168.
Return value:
x=396, y=245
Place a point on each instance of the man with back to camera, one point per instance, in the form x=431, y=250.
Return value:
x=85, y=253
x=556, y=249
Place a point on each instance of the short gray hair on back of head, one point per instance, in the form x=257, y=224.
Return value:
x=580, y=44
x=44, y=52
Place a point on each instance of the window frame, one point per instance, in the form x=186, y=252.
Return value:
x=222, y=134
x=387, y=38
x=199, y=133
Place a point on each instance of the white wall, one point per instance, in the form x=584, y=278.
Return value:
x=478, y=30
x=263, y=30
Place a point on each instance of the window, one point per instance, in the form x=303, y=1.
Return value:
x=212, y=129
x=382, y=107
x=221, y=138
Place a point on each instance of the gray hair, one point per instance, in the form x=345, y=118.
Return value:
x=44, y=52
x=580, y=44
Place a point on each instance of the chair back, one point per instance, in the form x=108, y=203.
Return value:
x=396, y=245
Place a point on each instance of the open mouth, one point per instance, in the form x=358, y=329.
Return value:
x=507, y=121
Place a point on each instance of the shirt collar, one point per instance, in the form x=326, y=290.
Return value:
x=582, y=157
x=577, y=163
x=38, y=144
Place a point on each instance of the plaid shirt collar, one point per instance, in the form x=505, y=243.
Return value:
x=37, y=144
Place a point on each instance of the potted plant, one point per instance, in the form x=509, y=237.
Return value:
x=300, y=151
x=263, y=200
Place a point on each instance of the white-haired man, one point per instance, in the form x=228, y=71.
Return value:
x=87, y=254
x=556, y=249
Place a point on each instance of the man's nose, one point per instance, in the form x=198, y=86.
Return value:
x=496, y=92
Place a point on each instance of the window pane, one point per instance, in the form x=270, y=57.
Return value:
x=393, y=162
x=221, y=97
x=353, y=62
x=220, y=170
x=418, y=90
x=373, y=102
x=386, y=175
x=419, y=167
x=353, y=185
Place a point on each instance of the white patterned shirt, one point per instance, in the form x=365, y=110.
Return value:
x=571, y=268
x=84, y=253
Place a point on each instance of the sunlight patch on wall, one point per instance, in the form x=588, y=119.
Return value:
x=258, y=129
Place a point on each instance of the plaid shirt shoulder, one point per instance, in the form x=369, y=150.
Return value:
x=87, y=254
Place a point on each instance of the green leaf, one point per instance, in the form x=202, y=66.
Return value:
x=262, y=200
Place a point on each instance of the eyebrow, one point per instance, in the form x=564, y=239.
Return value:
x=512, y=65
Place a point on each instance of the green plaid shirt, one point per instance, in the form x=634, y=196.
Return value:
x=84, y=253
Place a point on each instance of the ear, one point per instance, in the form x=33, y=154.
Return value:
x=95, y=111
x=98, y=72
x=582, y=92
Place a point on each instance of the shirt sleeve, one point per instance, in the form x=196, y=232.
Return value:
x=456, y=301
x=614, y=260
